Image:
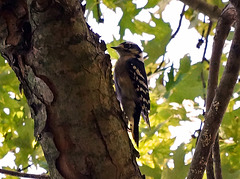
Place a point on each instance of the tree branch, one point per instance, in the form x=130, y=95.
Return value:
x=218, y=107
x=173, y=36
x=217, y=159
x=180, y=22
x=222, y=30
x=206, y=40
x=204, y=59
x=209, y=169
x=225, y=21
x=213, y=12
x=26, y=175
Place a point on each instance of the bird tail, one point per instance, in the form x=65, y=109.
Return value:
x=136, y=116
x=146, y=119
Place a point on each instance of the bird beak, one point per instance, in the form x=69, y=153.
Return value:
x=119, y=47
x=115, y=48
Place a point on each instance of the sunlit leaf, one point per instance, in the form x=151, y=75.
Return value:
x=190, y=85
x=180, y=169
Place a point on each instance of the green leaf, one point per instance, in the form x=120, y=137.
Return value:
x=91, y=5
x=189, y=85
x=129, y=12
x=4, y=150
x=151, y=3
x=217, y=3
x=111, y=51
x=170, y=82
x=231, y=125
x=150, y=172
x=16, y=128
x=157, y=47
x=185, y=64
x=111, y=4
x=230, y=35
x=180, y=170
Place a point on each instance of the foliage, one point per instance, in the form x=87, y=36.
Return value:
x=174, y=90
x=16, y=129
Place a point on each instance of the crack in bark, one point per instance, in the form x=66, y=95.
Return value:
x=104, y=142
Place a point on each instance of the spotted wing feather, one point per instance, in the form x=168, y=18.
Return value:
x=138, y=76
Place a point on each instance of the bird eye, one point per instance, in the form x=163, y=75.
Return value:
x=128, y=46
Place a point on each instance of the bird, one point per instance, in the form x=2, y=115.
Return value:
x=131, y=86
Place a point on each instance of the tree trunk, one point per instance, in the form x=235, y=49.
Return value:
x=66, y=77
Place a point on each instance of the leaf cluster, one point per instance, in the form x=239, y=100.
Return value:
x=16, y=129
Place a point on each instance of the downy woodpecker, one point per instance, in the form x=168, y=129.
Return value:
x=131, y=85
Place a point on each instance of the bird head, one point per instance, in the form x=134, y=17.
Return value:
x=129, y=49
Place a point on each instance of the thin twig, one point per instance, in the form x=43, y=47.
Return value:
x=22, y=169
x=26, y=175
x=160, y=65
x=206, y=40
x=174, y=34
x=180, y=22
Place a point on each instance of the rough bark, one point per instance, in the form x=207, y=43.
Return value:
x=217, y=159
x=209, y=167
x=66, y=77
x=225, y=21
x=218, y=107
x=222, y=30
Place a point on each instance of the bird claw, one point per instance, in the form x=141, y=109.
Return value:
x=129, y=129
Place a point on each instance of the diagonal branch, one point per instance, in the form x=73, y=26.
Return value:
x=209, y=169
x=180, y=22
x=173, y=36
x=223, y=27
x=218, y=107
x=26, y=175
x=206, y=40
x=213, y=12
x=217, y=159
x=222, y=30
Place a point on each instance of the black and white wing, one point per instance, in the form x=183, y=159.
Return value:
x=138, y=76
